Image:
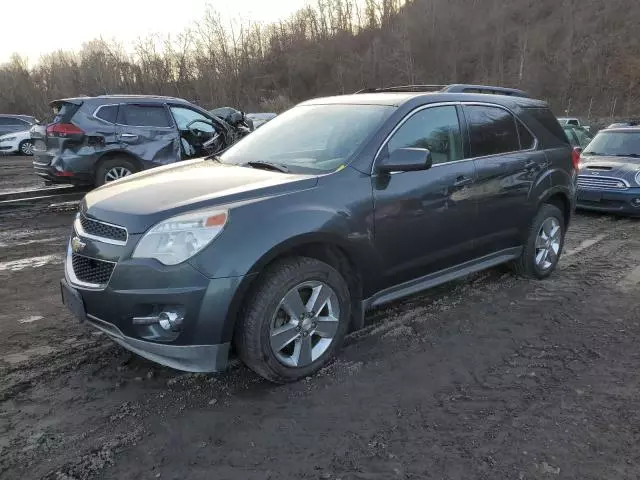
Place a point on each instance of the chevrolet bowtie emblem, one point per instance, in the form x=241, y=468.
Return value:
x=77, y=245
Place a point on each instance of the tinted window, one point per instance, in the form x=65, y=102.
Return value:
x=184, y=116
x=143, y=116
x=436, y=129
x=527, y=141
x=549, y=122
x=492, y=130
x=108, y=113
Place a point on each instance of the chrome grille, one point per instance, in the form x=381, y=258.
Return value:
x=91, y=270
x=601, y=183
x=103, y=230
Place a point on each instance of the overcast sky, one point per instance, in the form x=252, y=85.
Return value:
x=35, y=27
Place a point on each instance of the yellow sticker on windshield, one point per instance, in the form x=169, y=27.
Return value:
x=341, y=167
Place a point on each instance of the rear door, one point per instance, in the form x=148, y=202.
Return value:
x=148, y=132
x=508, y=165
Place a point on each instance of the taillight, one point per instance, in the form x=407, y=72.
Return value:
x=64, y=130
x=575, y=158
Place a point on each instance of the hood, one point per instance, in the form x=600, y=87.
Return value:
x=625, y=168
x=144, y=199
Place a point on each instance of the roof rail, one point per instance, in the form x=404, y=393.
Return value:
x=465, y=88
x=404, y=88
x=455, y=88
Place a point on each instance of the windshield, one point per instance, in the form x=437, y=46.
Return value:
x=310, y=139
x=615, y=143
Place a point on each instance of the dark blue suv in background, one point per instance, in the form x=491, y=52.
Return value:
x=279, y=245
x=95, y=140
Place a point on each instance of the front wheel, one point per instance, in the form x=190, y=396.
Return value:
x=294, y=321
x=544, y=244
x=26, y=147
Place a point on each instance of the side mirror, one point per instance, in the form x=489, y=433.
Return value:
x=405, y=160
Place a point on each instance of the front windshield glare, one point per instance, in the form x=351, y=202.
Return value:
x=310, y=139
x=614, y=143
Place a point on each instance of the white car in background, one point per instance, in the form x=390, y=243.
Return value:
x=16, y=142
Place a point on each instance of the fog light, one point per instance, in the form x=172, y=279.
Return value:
x=170, y=321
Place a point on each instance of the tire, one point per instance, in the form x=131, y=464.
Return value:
x=528, y=265
x=26, y=148
x=265, y=314
x=107, y=170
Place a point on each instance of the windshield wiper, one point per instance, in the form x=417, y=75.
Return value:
x=632, y=155
x=267, y=165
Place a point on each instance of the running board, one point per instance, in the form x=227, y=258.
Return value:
x=438, y=278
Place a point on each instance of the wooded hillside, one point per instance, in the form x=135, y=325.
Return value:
x=583, y=56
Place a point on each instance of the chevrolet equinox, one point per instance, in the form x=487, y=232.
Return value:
x=278, y=246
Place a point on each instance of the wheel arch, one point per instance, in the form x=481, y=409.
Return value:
x=561, y=199
x=324, y=247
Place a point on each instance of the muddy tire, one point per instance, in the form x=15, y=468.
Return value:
x=544, y=244
x=114, y=169
x=294, y=321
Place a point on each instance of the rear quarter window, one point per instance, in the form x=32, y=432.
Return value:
x=547, y=120
x=108, y=113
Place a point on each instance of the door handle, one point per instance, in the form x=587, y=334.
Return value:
x=128, y=136
x=462, y=181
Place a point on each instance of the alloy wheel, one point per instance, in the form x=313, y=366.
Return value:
x=548, y=243
x=116, y=173
x=27, y=148
x=304, y=324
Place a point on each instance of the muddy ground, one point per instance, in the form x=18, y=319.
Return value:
x=493, y=377
x=16, y=173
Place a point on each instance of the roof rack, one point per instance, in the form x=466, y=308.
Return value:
x=454, y=88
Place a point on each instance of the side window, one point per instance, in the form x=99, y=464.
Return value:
x=436, y=129
x=108, y=113
x=143, y=115
x=527, y=141
x=6, y=121
x=492, y=130
x=572, y=122
x=184, y=116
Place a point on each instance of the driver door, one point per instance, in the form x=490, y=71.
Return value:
x=195, y=130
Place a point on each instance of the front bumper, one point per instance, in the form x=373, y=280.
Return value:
x=142, y=288
x=624, y=202
x=9, y=147
x=190, y=358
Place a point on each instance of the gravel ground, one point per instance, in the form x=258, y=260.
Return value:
x=493, y=377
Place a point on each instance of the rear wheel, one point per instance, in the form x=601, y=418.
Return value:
x=544, y=244
x=295, y=320
x=114, y=169
x=26, y=147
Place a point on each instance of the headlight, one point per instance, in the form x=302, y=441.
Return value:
x=7, y=139
x=179, y=238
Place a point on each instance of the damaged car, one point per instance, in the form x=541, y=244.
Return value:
x=95, y=140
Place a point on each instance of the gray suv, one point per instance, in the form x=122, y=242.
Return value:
x=94, y=140
x=278, y=246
